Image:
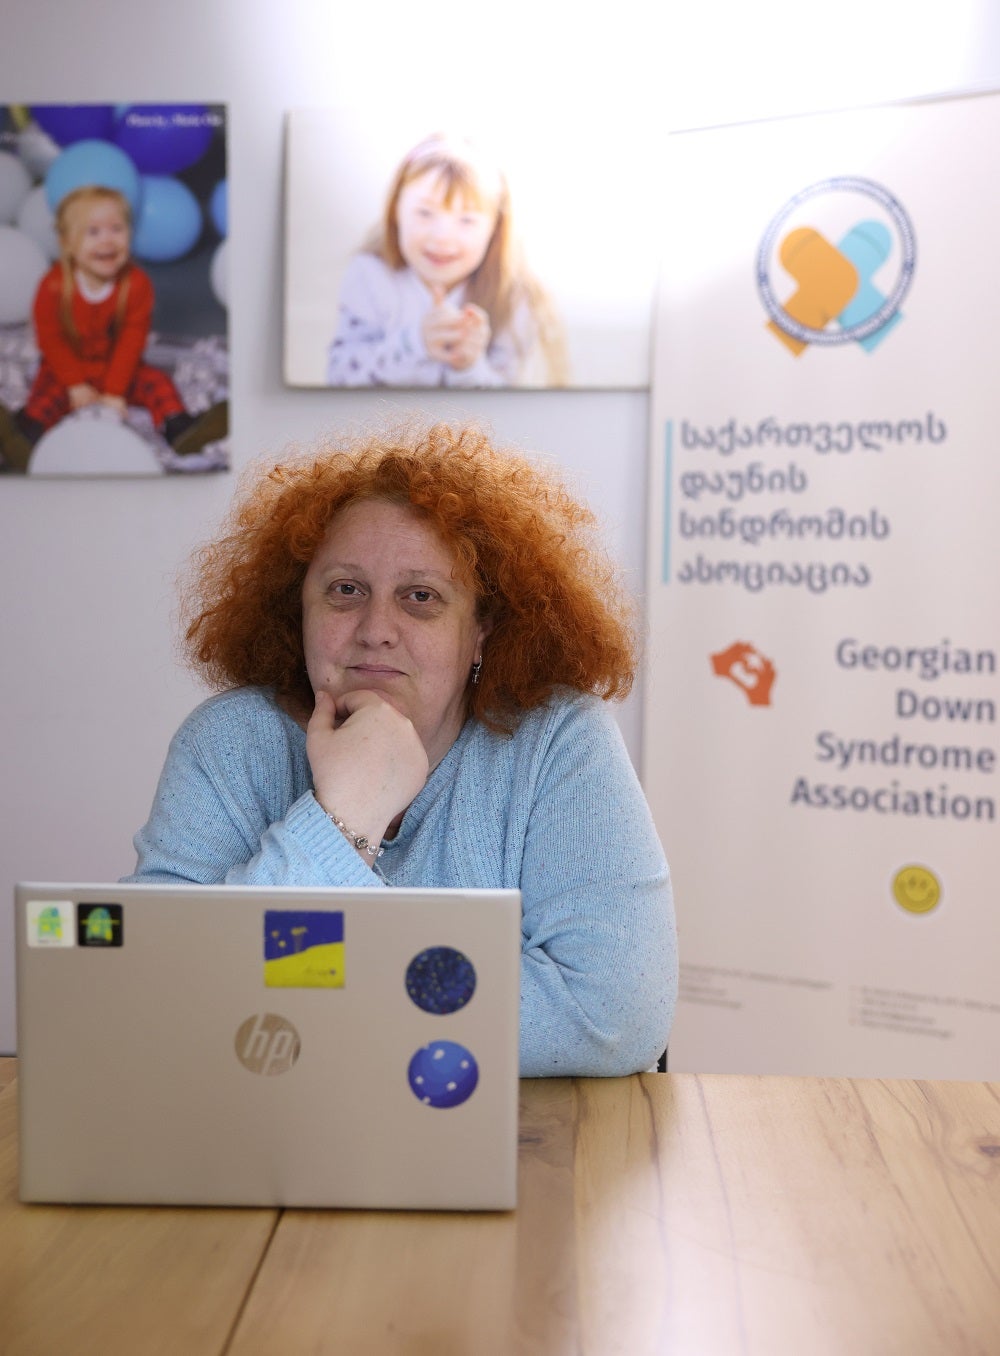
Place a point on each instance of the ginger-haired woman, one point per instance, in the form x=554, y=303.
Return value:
x=414, y=636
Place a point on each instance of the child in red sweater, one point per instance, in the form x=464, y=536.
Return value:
x=92, y=315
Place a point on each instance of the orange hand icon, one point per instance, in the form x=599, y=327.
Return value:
x=751, y=671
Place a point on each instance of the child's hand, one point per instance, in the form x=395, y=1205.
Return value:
x=442, y=327
x=116, y=403
x=456, y=337
x=473, y=339
x=82, y=395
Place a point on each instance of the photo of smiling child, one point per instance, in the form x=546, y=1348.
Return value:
x=92, y=315
x=447, y=252
x=114, y=349
x=440, y=294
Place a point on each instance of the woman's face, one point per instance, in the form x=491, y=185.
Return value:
x=382, y=610
x=443, y=242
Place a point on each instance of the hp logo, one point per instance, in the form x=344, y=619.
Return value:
x=267, y=1044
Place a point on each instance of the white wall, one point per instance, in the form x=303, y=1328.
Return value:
x=91, y=688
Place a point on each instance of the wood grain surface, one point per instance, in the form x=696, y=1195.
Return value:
x=678, y=1214
x=111, y=1281
x=683, y=1214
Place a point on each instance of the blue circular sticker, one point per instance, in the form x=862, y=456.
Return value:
x=440, y=980
x=443, y=1074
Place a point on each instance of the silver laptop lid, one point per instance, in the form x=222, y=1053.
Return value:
x=268, y=1046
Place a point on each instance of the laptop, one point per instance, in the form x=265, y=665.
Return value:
x=231, y=1045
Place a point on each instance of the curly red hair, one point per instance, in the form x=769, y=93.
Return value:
x=560, y=617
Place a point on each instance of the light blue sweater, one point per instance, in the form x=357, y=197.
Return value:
x=555, y=811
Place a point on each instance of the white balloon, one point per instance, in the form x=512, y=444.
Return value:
x=22, y=266
x=15, y=185
x=35, y=219
x=37, y=149
x=219, y=274
x=93, y=442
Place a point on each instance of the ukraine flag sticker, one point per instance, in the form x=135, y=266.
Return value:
x=303, y=950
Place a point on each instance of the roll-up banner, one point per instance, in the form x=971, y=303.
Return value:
x=820, y=725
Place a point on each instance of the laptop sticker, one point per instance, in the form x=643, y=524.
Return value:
x=443, y=1074
x=99, y=925
x=440, y=980
x=51, y=922
x=303, y=949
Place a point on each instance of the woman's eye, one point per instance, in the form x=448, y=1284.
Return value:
x=424, y=599
x=345, y=590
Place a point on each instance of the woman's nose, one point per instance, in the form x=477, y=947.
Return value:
x=377, y=624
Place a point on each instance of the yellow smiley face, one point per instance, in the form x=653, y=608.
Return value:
x=916, y=889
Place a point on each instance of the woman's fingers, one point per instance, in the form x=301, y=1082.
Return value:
x=366, y=758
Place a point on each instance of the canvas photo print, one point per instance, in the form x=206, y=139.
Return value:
x=114, y=356
x=437, y=255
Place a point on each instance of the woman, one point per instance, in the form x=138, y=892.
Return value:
x=411, y=634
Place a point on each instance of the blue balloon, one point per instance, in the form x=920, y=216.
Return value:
x=69, y=123
x=163, y=138
x=169, y=222
x=218, y=207
x=92, y=162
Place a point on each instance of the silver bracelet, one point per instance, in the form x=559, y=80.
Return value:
x=357, y=840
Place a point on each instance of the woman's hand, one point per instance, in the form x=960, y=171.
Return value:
x=116, y=403
x=367, y=761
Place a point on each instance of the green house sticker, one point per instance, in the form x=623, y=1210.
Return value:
x=99, y=925
x=50, y=922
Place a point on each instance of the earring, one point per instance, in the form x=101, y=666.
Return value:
x=476, y=670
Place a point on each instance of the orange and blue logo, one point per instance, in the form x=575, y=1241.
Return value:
x=834, y=265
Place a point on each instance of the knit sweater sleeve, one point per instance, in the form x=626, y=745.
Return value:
x=599, y=947
x=231, y=808
x=378, y=340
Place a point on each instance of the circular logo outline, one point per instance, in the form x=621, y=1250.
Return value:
x=851, y=333
x=258, y=1045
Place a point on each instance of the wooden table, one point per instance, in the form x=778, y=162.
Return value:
x=674, y=1213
